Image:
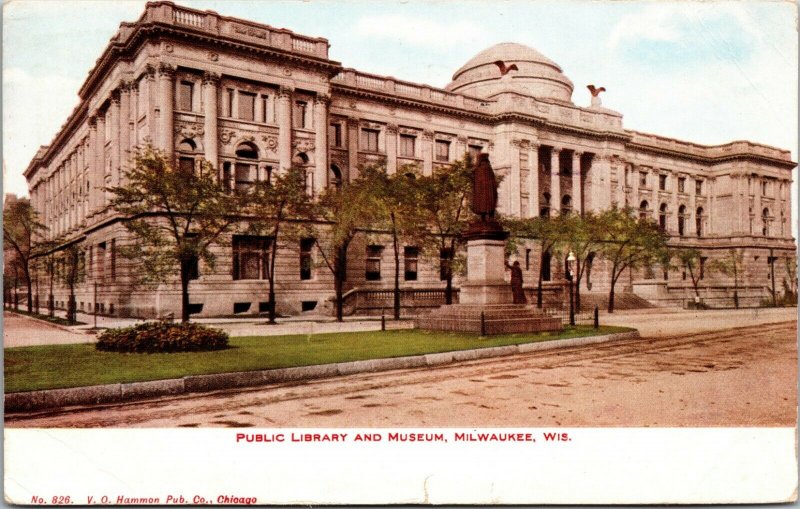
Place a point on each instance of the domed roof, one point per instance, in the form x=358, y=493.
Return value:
x=509, y=66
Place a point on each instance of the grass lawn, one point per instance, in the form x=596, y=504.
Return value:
x=31, y=368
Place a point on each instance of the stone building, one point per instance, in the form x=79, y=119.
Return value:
x=253, y=99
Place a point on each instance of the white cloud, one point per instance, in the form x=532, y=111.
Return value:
x=416, y=31
x=656, y=23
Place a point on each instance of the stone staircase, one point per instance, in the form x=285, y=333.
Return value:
x=497, y=319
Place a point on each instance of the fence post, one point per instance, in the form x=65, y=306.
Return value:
x=383, y=320
x=596, y=317
x=483, y=324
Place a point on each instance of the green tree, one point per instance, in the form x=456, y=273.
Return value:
x=581, y=235
x=69, y=269
x=691, y=260
x=21, y=228
x=174, y=216
x=342, y=213
x=398, y=211
x=628, y=243
x=443, y=200
x=549, y=231
x=278, y=207
x=731, y=265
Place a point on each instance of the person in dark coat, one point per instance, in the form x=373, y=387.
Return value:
x=484, y=188
x=516, y=283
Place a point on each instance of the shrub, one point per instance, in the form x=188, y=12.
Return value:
x=154, y=337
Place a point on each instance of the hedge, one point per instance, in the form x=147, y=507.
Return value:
x=158, y=337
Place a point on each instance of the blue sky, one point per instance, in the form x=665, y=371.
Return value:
x=708, y=72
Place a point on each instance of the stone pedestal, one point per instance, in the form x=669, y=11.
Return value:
x=486, y=273
x=486, y=299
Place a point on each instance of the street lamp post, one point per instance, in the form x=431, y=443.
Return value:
x=570, y=261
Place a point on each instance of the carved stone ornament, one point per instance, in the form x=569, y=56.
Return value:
x=322, y=99
x=285, y=91
x=303, y=145
x=149, y=71
x=213, y=56
x=211, y=78
x=427, y=135
x=409, y=131
x=189, y=130
x=287, y=71
x=391, y=128
x=166, y=70
x=169, y=48
x=462, y=140
x=226, y=135
x=271, y=142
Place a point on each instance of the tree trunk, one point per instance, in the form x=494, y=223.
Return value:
x=184, y=291
x=396, y=275
x=71, y=305
x=735, y=290
x=271, y=320
x=26, y=273
x=539, y=286
x=448, y=289
x=611, y=291
x=339, y=283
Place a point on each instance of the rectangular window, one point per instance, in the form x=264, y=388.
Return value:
x=185, y=91
x=442, y=150
x=186, y=164
x=698, y=187
x=763, y=188
x=113, y=260
x=373, y=269
x=682, y=185
x=101, y=260
x=335, y=135
x=642, y=179
x=474, y=152
x=410, y=262
x=247, y=106
x=265, y=110
x=250, y=257
x=703, y=267
x=306, y=260
x=229, y=102
x=299, y=114
x=407, y=143
x=245, y=176
x=369, y=140
x=662, y=182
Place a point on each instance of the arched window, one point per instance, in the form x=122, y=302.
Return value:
x=546, y=259
x=643, y=208
x=662, y=217
x=682, y=220
x=300, y=159
x=336, y=181
x=246, y=168
x=545, y=210
x=566, y=205
x=186, y=149
x=698, y=220
x=765, y=222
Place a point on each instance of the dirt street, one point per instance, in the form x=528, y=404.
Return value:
x=734, y=377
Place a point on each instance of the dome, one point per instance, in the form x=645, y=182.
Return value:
x=532, y=74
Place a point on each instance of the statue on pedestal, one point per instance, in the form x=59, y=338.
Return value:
x=484, y=202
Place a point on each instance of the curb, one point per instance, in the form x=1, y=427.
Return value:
x=122, y=392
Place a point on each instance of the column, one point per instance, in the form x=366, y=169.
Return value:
x=166, y=91
x=285, y=127
x=461, y=147
x=514, y=186
x=210, y=115
x=673, y=212
x=533, y=181
x=757, y=221
x=712, y=204
x=113, y=119
x=321, y=103
x=577, y=191
x=691, y=226
x=555, y=183
x=620, y=172
x=427, y=153
x=98, y=175
x=124, y=131
x=391, y=149
x=352, y=149
x=134, y=114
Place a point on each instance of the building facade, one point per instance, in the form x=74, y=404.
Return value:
x=253, y=99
